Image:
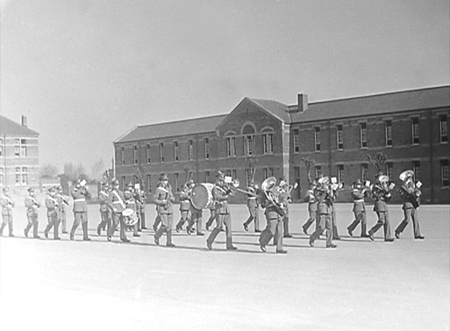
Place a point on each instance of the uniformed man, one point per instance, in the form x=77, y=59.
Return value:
x=51, y=202
x=221, y=192
x=105, y=212
x=164, y=199
x=410, y=194
x=324, y=195
x=130, y=203
x=157, y=221
x=274, y=212
x=7, y=212
x=32, y=206
x=79, y=194
x=253, y=207
x=140, y=198
x=196, y=217
x=285, y=200
x=334, y=187
x=116, y=202
x=359, y=192
x=212, y=216
x=63, y=202
x=185, y=206
x=381, y=193
x=312, y=207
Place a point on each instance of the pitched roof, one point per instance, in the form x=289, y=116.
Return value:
x=13, y=129
x=410, y=100
x=276, y=108
x=170, y=129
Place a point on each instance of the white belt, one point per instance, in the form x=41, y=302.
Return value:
x=78, y=200
x=359, y=200
x=252, y=198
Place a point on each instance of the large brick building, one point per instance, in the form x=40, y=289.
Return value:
x=19, y=157
x=410, y=127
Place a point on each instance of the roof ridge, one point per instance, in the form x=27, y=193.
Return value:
x=178, y=121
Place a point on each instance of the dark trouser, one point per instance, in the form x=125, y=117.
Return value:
x=80, y=217
x=53, y=222
x=309, y=221
x=212, y=217
x=105, y=222
x=32, y=222
x=360, y=217
x=254, y=215
x=196, y=218
x=183, y=219
x=383, y=220
x=333, y=222
x=166, y=227
x=274, y=229
x=117, y=219
x=222, y=219
x=7, y=219
x=142, y=218
x=410, y=213
x=157, y=222
x=324, y=223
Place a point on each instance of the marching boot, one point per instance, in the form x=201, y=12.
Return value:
x=364, y=230
x=400, y=229
x=84, y=226
x=264, y=239
x=169, y=239
x=1, y=229
x=230, y=246
x=56, y=231
x=159, y=233
x=35, y=230
x=212, y=237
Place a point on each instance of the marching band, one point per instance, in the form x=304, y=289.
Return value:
x=126, y=209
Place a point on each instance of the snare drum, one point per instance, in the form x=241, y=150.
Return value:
x=201, y=197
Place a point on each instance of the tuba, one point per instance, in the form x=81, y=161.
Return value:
x=270, y=193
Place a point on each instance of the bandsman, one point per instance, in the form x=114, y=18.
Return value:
x=130, y=203
x=410, y=194
x=140, y=198
x=253, y=207
x=185, y=206
x=285, y=200
x=7, y=212
x=32, y=215
x=79, y=194
x=51, y=202
x=116, y=202
x=359, y=192
x=164, y=199
x=212, y=217
x=334, y=187
x=196, y=217
x=63, y=202
x=221, y=192
x=312, y=207
x=105, y=212
x=381, y=193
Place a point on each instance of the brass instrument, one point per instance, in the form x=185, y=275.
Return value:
x=269, y=188
x=411, y=188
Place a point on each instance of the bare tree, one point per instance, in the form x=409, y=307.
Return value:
x=97, y=169
x=252, y=162
x=48, y=171
x=308, y=163
x=74, y=172
x=378, y=162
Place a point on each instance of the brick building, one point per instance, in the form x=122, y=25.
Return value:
x=19, y=157
x=410, y=127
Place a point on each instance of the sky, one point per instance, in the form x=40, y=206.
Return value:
x=85, y=72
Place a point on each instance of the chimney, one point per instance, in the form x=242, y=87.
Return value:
x=24, y=121
x=302, y=102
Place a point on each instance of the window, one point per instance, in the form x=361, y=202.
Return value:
x=390, y=170
x=148, y=154
x=207, y=175
x=363, y=134
x=123, y=182
x=176, y=183
x=228, y=173
x=388, y=133
x=415, y=130
x=340, y=173
x=248, y=176
x=234, y=175
x=268, y=143
x=122, y=154
x=318, y=171
x=1, y=177
x=416, y=169
x=17, y=147
x=149, y=183
x=443, y=133
x=23, y=148
x=1, y=147
x=206, y=148
x=248, y=145
x=190, y=149
x=340, y=137
x=24, y=176
x=296, y=141
x=231, y=146
x=445, y=181
x=317, y=139
x=161, y=152
x=267, y=172
x=135, y=154
x=364, y=172
x=175, y=150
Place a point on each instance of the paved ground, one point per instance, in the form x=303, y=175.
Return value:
x=362, y=285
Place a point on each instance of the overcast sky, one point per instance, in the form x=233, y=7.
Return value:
x=85, y=72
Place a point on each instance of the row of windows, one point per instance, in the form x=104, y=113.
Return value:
x=415, y=165
x=443, y=134
x=21, y=175
x=20, y=148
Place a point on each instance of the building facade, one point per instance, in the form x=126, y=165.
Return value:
x=264, y=138
x=19, y=155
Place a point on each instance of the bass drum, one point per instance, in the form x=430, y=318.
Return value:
x=129, y=217
x=201, y=196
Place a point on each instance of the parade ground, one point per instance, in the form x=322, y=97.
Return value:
x=101, y=285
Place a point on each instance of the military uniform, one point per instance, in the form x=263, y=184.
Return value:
x=52, y=205
x=410, y=195
x=32, y=214
x=359, y=209
x=7, y=212
x=252, y=205
x=164, y=199
x=324, y=210
x=221, y=193
x=381, y=194
x=105, y=216
x=63, y=202
x=212, y=216
x=139, y=197
x=116, y=202
x=333, y=197
x=185, y=207
x=79, y=195
x=130, y=203
x=312, y=209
